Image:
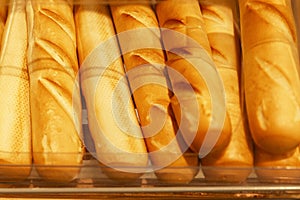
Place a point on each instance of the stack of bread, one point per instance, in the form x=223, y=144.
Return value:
x=168, y=87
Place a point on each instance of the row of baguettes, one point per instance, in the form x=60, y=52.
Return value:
x=152, y=100
x=214, y=33
x=146, y=75
x=211, y=29
x=212, y=26
x=41, y=108
x=197, y=35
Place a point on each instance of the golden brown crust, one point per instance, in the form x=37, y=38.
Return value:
x=15, y=128
x=152, y=100
x=119, y=145
x=275, y=16
x=192, y=43
x=55, y=98
x=184, y=17
x=233, y=163
x=270, y=69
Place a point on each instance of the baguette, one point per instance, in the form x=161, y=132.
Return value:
x=185, y=19
x=112, y=121
x=145, y=69
x=233, y=163
x=277, y=168
x=270, y=73
x=15, y=128
x=54, y=93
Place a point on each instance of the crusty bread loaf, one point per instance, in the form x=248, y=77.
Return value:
x=145, y=69
x=233, y=163
x=270, y=73
x=54, y=92
x=189, y=50
x=112, y=120
x=277, y=168
x=15, y=129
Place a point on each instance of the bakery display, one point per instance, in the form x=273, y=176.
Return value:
x=233, y=163
x=149, y=93
x=54, y=91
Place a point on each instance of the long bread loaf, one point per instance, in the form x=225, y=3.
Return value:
x=112, y=120
x=146, y=73
x=54, y=92
x=233, y=163
x=270, y=73
x=15, y=128
x=185, y=39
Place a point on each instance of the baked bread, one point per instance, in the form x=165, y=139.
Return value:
x=233, y=163
x=270, y=74
x=113, y=123
x=54, y=91
x=189, y=56
x=15, y=128
x=146, y=73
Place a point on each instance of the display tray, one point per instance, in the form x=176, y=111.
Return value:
x=92, y=183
